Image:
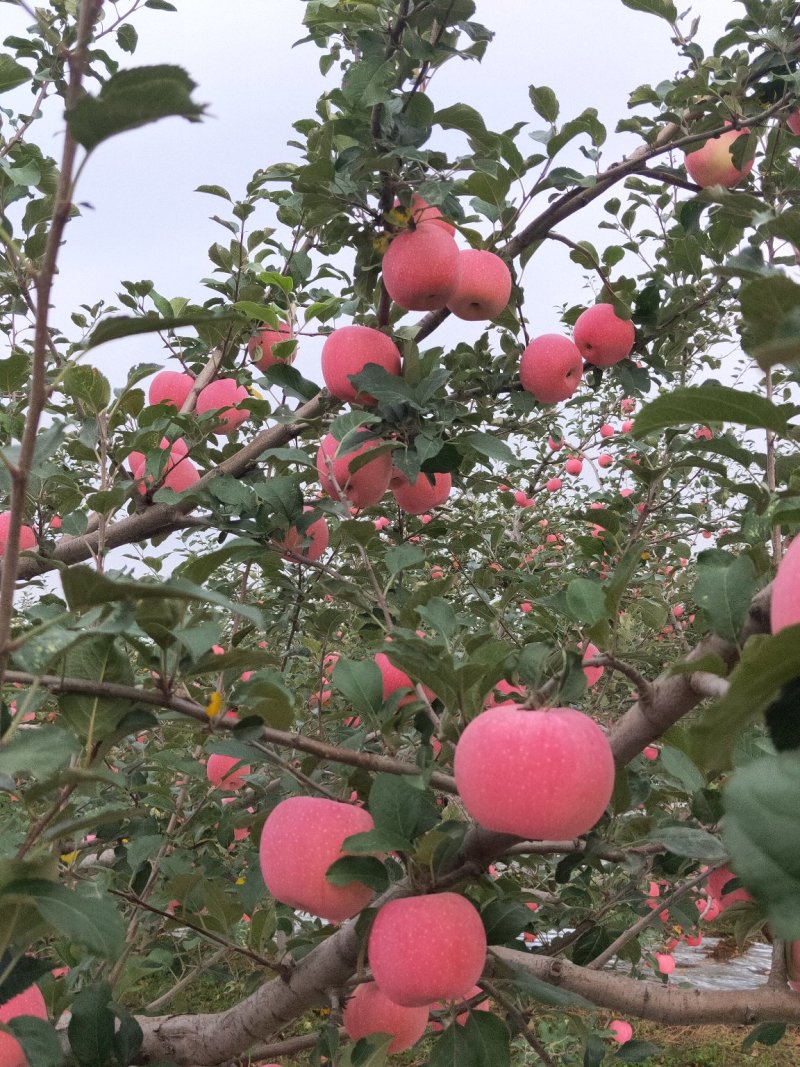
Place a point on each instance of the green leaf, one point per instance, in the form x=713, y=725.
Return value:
x=764, y=1034
x=39, y=1041
x=91, y=1027
x=544, y=102
x=690, y=843
x=665, y=9
x=87, y=386
x=586, y=600
x=680, y=766
x=490, y=447
x=482, y=1042
x=117, y=326
x=12, y=73
x=762, y=834
x=99, y=659
x=710, y=404
x=365, y=869
x=15, y=372
x=636, y=1051
x=771, y=314
x=39, y=752
x=504, y=920
x=82, y=915
x=400, y=808
x=404, y=556
x=360, y=683
x=127, y=37
x=724, y=589
x=132, y=98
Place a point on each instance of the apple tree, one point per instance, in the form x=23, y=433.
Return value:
x=492, y=612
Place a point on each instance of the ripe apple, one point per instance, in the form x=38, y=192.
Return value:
x=650, y=752
x=785, y=606
x=604, y=460
x=574, y=466
x=348, y=351
x=513, y=693
x=607, y=430
x=713, y=164
x=484, y=286
x=28, y=541
x=365, y=486
x=317, y=533
x=593, y=674
x=461, y=1018
x=665, y=962
x=259, y=347
x=421, y=268
x=219, y=771
x=553, y=485
x=551, y=368
x=602, y=337
x=179, y=473
x=715, y=887
x=420, y=496
x=368, y=1011
x=423, y=949
x=222, y=394
x=170, y=387
x=622, y=1030
x=394, y=679
x=29, y=1002
x=793, y=122
x=544, y=774
x=422, y=211
x=301, y=838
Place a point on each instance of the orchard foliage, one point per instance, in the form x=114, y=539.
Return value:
x=192, y=632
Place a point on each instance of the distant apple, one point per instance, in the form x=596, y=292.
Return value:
x=484, y=286
x=428, y=948
x=223, y=394
x=785, y=604
x=650, y=752
x=29, y=1002
x=551, y=368
x=665, y=962
x=347, y=351
x=602, y=336
x=574, y=465
x=712, y=164
x=421, y=268
x=793, y=122
x=716, y=887
x=28, y=541
x=365, y=486
x=368, y=1011
x=421, y=495
x=170, y=387
x=553, y=485
x=394, y=679
x=220, y=772
x=604, y=460
x=259, y=347
x=607, y=430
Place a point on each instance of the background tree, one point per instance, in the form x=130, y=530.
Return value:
x=573, y=540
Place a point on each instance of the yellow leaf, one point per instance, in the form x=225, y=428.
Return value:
x=69, y=857
x=214, y=705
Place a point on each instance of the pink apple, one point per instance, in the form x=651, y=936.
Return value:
x=785, y=606
x=593, y=674
x=461, y=1018
x=537, y=774
x=514, y=693
x=793, y=122
x=703, y=433
x=259, y=347
x=348, y=351
x=602, y=336
x=312, y=543
x=393, y=679
x=665, y=962
x=607, y=430
x=553, y=485
x=622, y=1030
x=179, y=473
x=368, y=1011
x=627, y=405
x=170, y=387
x=28, y=541
x=365, y=486
x=523, y=500
x=574, y=465
x=220, y=772
x=693, y=940
x=605, y=460
x=301, y=838
x=223, y=394
x=423, y=949
x=422, y=211
x=484, y=286
x=526, y=607
x=29, y=1002
x=627, y=426
x=420, y=496
x=712, y=164
x=715, y=887
x=551, y=368
x=650, y=752
x=421, y=268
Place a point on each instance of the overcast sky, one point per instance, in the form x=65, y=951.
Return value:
x=146, y=221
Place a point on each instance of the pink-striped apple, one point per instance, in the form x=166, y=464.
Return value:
x=368, y=1011
x=602, y=336
x=347, y=352
x=545, y=774
x=420, y=496
x=301, y=838
x=551, y=368
x=484, y=286
x=363, y=487
x=259, y=347
x=423, y=949
x=421, y=268
x=712, y=164
x=222, y=394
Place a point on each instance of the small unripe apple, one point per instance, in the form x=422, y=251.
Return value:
x=423, y=949
x=544, y=775
x=421, y=268
x=29, y=1002
x=170, y=387
x=484, y=286
x=301, y=838
x=259, y=347
x=368, y=1012
x=785, y=604
x=574, y=465
x=223, y=394
x=420, y=496
x=365, y=486
x=602, y=336
x=28, y=541
x=347, y=352
x=317, y=534
x=220, y=772
x=712, y=164
x=551, y=368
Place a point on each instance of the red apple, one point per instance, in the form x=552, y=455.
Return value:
x=420, y=496
x=259, y=347
x=368, y=1012
x=622, y=1030
x=301, y=838
x=665, y=962
x=179, y=473
x=712, y=164
x=514, y=693
x=551, y=368
x=348, y=351
x=602, y=337
x=422, y=211
x=793, y=122
x=607, y=430
x=220, y=772
x=219, y=396
x=28, y=541
x=604, y=460
x=29, y=1002
x=365, y=486
x=421, y=268
x=574, y=466
x=170, y=387
x=553, y=485
x=715, y=887
x=484, y=286
x=650, y=752
x=785, y=606
x=544, y=774
x=593, y=674
x=423, y=949
x=317, y=534
x=394, y=679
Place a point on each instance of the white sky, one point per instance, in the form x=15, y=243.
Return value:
x=146, y=221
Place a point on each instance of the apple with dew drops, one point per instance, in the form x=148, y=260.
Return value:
x=428, y=948
x=301, y=838
x=552, y=771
